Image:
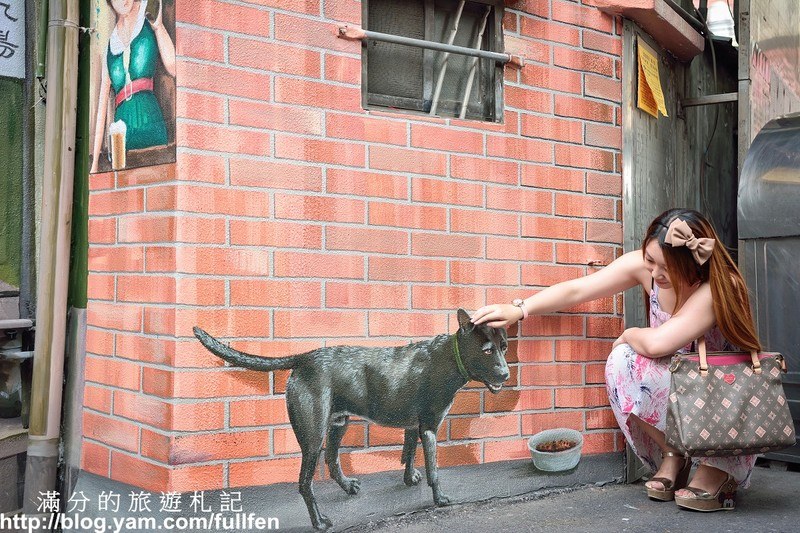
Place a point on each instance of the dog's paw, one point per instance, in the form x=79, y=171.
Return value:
x=351, y=485
x=322, y=523
x=441, y=500
x=413, y=478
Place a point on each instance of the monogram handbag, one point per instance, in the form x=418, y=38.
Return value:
x=727, y=404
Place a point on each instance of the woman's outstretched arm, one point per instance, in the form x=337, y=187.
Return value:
x=623, y=273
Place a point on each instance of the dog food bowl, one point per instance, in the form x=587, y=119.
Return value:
x=556, y=461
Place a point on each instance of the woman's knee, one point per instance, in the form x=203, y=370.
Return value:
x=617, y=363
x=620, y=356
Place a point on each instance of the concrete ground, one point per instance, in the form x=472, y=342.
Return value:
x=382, y=495
x=512, y=496
x=771, y=504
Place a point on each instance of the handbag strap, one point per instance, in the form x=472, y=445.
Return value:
x=701, y=350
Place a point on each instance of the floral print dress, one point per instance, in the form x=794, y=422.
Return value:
x=639, y=385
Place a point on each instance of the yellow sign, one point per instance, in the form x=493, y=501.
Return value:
x=650, y=96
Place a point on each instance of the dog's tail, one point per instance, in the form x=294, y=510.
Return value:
x=244, y=360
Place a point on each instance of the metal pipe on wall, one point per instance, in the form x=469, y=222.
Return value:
x=51, y=297
x=356, y=33
x=79, y=256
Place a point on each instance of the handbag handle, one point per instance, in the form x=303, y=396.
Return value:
x=701, y=350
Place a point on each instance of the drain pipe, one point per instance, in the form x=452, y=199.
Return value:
x=72, y=426
x=53, y=267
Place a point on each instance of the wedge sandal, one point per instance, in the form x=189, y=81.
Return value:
x=722, y=500
x=667, y=494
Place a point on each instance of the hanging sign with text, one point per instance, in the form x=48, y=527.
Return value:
x=12, y=38
x=650, y=97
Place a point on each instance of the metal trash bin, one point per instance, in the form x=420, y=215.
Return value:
x=769, y=248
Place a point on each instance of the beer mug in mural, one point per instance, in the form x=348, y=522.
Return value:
x=116, y=144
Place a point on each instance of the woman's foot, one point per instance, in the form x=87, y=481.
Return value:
x=672, y=475
x=711, y=489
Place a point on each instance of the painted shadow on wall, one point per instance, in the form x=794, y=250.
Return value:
x=133, y=84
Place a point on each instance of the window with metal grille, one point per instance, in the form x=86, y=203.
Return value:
x=412, y=78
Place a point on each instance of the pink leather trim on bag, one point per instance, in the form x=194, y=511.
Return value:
x=729, y=359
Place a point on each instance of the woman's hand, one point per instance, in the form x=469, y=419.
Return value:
x=156, y=22
x=620, y=340
x=497, y=315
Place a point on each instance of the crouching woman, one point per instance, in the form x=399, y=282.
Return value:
x=693, y=289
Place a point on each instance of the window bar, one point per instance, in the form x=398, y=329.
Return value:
x=359, y=34
x=438, y=91
x=474, y=67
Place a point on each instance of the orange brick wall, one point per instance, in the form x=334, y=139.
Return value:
x=294, y=219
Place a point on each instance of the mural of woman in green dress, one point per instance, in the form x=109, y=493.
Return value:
x=129, y=62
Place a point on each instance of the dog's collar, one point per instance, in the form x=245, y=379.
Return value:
x=461, y=369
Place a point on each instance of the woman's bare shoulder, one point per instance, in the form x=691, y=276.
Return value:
x=625, y=272
x=632, y=263
x=702, y=292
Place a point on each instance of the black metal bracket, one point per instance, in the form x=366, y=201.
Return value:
x=709, y=99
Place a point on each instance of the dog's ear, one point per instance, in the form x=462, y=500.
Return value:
x=463, y=321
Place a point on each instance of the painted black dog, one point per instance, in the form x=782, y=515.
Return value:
x=409, y=387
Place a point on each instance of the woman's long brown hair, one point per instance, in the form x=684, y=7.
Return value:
x=729, y=293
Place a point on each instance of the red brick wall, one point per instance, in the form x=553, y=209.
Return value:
x=294, y=219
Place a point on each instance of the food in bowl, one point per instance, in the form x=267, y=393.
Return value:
x=556, y=445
